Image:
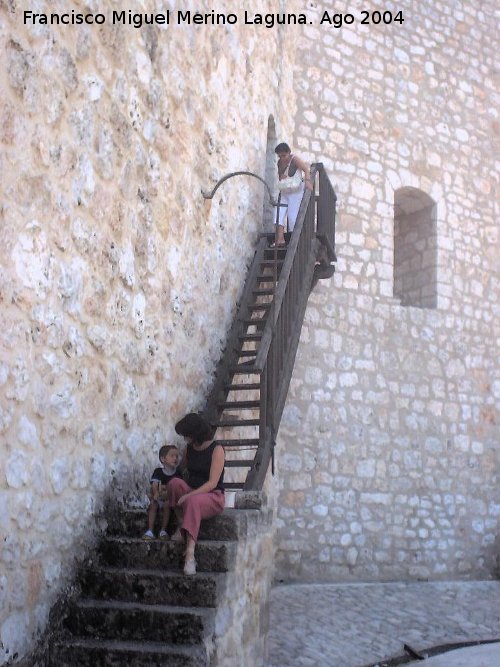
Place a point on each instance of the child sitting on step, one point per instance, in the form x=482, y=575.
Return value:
x=168, y=455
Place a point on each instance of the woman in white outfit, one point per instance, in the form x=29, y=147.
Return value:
x=293, y=171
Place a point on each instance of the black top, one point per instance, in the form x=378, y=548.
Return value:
x=161, y=476
x=289, y=169
x=198, y=466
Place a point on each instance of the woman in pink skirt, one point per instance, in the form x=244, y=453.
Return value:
x=203, y=495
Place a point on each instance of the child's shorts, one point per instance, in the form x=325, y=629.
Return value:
x=161, y=502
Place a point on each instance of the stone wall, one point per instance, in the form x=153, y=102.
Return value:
x=388, y=452
x=242, y=618
x=118, y=281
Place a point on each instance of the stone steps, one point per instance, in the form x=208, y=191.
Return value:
x=226, y=526
x=80, y=652
x=211, y=556
x=136, y=606
x=110, y=619
x=152, y=586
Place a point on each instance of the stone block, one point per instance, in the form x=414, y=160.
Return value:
x=88, y=653
x=129, y=552
x=147, y=585
x=131, y=621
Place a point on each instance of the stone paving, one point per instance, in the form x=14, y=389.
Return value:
x=352, y=625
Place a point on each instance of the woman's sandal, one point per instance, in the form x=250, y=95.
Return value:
x=278, y=245
x=190, y=566
x=177, y=536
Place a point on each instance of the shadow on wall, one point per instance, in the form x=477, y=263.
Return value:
x=270, y=174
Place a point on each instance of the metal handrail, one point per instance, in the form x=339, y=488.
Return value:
x=327, y=204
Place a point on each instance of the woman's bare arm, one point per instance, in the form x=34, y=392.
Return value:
x=303, y=166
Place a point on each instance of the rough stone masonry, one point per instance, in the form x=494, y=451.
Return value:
x=388, y=453
x=118, y=281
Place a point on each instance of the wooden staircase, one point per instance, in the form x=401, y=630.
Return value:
x=249, y=392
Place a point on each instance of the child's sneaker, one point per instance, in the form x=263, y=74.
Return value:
x=148, y=535
x=163, y=535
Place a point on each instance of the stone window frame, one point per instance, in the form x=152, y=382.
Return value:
x=433, y=192
x=415, y=248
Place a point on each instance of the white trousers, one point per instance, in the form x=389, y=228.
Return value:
x=292, y=201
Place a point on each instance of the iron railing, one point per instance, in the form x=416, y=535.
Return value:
x=276, y=354
x=309, y=256
x=327, y=201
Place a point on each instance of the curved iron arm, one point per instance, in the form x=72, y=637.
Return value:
x=209, y=195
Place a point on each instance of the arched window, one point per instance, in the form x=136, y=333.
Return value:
x=270, y=173
x=415, y=248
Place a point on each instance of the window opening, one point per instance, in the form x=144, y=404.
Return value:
x=415, y=248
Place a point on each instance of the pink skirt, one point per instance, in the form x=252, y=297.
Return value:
x=198, y=507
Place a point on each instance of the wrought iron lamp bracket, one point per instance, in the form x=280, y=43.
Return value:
x=210, y=195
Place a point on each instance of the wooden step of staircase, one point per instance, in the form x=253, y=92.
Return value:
x=240, y=442
x=269, y=264
x=244, y=386
x=240, y=405
x=265, y=291
x=226, y=423
x=281, y=252
x=244, y=369
x=239, y=463
x=259, y=306
x=258, y=322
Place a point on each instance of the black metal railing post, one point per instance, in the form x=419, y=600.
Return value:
x=210, y=195
x=327, y=201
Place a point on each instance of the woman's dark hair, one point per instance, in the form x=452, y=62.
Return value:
x=196, y=427
x=282, y=148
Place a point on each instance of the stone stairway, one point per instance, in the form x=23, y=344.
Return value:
x=251, y=381
x=137, y=608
